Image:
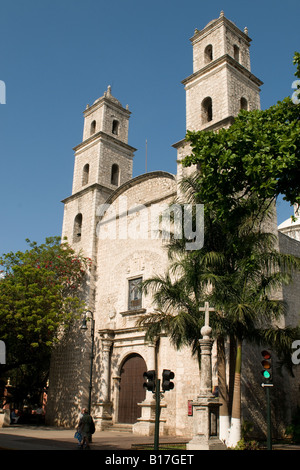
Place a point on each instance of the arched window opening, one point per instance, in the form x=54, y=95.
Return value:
x=85, y=174
x=115, y=174
x=207, y=111
x=208, y=54
x=93, y=127
x=244, y=104
x=236, y=53
x=115, y=127
x=77, y=228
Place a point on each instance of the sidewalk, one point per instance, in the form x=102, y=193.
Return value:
x=19, y=437
x=22, y=437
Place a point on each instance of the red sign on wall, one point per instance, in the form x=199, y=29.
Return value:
x=190, y=407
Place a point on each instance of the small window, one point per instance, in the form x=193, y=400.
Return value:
x=236, y=53
x=85, y=174
x=208, y=54
x=244, y=104
x=115, y=127
x=93, y=127
x=134, y=294
x=207, y=111
x=115, y=174
x=77, y=228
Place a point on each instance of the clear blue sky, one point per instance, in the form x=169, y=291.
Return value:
x=58, y=55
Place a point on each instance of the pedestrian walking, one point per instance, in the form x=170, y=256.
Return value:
x=86, y=428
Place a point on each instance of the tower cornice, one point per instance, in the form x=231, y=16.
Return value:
x=87, y=189
x=225, y=59
x=98, y=136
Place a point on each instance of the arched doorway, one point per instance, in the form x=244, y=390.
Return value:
x=131, y=389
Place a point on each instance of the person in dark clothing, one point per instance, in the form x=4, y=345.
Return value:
x=86, y=427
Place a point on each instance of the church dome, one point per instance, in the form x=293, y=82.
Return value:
x=291, y=226
x=107, y=94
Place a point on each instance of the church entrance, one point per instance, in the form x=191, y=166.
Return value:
x=131, y=389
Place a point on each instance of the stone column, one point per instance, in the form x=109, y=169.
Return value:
x=206, y=371
x=103, y=408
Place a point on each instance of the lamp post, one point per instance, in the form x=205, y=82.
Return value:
x=84, y=327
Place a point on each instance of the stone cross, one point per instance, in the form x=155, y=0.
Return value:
x=206, y=330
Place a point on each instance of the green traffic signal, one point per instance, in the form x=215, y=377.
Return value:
x=267, y=365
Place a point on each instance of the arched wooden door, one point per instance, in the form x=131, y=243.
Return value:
x=131, y=389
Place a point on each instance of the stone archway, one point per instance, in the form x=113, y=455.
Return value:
x=131, y=391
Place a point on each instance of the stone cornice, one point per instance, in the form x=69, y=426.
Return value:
x=217, y=125
x=92, y=187
x=226, y=59
x=103, y=136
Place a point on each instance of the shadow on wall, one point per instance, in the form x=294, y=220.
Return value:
x=69, y=378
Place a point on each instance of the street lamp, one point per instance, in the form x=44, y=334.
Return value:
x=84, y=327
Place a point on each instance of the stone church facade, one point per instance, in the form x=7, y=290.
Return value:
x=104, y=217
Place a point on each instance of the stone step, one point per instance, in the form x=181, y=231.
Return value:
x=120, y=427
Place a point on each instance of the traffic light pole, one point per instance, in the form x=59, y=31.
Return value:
x=157, y=414
x=269, y=429
x=153, y=385
x=267, y=383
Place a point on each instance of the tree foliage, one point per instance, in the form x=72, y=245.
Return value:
x=257, y=157
x=243, y=170
x=39, y=293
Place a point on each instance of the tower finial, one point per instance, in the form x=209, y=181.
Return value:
x=246, y=30
x=222, y=13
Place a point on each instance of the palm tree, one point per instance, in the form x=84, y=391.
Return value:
x=245, y=294
x=237, y=270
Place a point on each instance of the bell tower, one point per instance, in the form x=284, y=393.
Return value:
x=103, y=162
x=221, y=83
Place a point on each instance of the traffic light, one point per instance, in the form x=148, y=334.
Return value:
x=167, y=376
x=149, y=376
x=267, y=366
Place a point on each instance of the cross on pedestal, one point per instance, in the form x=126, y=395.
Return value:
x=206, y=407
x=206, y=330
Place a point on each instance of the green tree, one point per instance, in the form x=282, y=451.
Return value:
x=40, y=293
x=236, y=271
x=258, y=156
x=245, y=168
